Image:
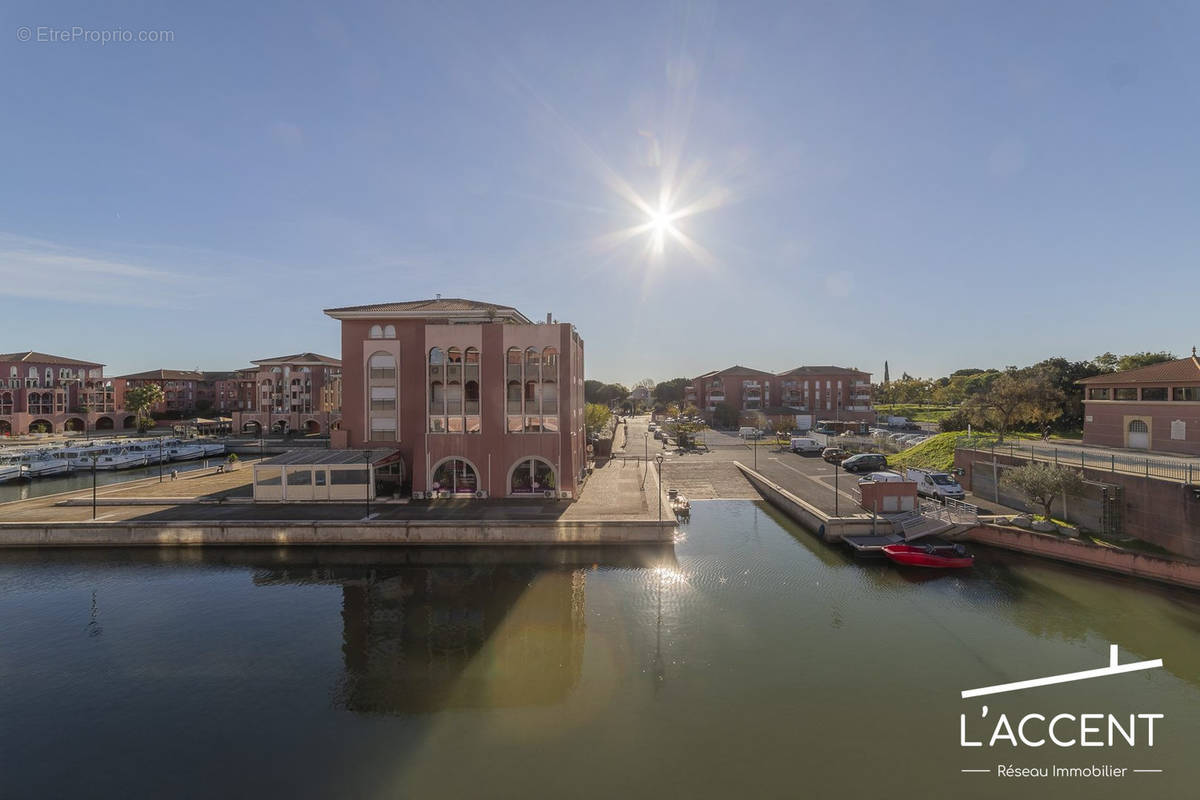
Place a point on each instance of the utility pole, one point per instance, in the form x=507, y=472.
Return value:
x=659, y=460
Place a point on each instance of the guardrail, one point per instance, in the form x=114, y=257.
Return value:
x=1164, y=468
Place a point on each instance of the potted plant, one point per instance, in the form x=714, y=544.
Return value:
x=232, y=462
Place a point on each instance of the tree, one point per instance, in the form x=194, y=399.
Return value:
x=596, y=418
x=1041, y=482
x=1136, y=360
x=670, y=391
x=1011, y=400
x=139, y=400
x=725, y=416
x=886, y=377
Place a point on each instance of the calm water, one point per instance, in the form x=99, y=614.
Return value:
x=752, y=661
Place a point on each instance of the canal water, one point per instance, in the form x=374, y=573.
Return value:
x=750, y=660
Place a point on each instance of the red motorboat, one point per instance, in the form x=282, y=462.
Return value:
x=929, y=555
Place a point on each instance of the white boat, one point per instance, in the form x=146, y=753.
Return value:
x=212, y=448
x=43, y=463
x=10, y=469
x=152, y=450
x=81, y=457
x=121, y=458
x=183, y=451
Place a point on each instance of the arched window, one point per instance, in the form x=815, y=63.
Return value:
x=436, y=357
x=549, y=362
x=382, y=366
x=1138, y=426
x=376, y=332
x=456, y=475
x=454, y=355
x=533, y=364
x=389, y=331
x=472, y=355
x=532, y=476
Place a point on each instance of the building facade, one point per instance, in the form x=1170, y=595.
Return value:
x=824, y=392
x=42, y=393
x=1150, y=408
x=478, y=399
x=300, y=392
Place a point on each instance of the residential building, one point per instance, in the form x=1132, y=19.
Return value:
x=1149, y=408
x=476, y=397
x=823, y=392
x=53, y=394
x=185, y=392
x=300, y=392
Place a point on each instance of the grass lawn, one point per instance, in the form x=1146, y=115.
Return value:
x=916, y=413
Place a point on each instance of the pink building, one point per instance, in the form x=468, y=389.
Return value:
x=301, y=392
x=53, y=394
x=476, y=398
x=825, y=392
x=1150, y=408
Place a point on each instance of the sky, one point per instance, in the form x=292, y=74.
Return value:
x=693, y=185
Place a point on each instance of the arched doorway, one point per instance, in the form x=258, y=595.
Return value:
x=312, y=427
x=41, y=426
x=532, y=476
x=104, y=424
x=1139, y=435
x=74, y=425
x=455, y=475
x=253, y=428
x=129, y=423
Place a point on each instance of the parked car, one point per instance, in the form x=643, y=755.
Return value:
x=652, y=427
x=826, y=431
x=865, y=462
x=936, y=484
x=834, y=455
x=882, y=477
x=804, y=445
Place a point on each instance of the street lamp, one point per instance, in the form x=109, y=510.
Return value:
x=837, y=467
x=94, y=456
x=160, y=458
x=367, y=453
x=658, y=460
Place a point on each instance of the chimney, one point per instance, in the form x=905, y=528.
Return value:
x=547, y=317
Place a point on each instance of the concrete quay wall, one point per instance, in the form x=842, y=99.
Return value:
x=282, y=533
x=1141, y=565
x=829, y=528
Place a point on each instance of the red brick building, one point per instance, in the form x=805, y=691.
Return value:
x=1149, y=408
x=825, y=392
x=300, y=392
x=53, y=394
x=476, y=397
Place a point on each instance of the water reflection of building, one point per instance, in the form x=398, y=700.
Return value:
x=424, y=638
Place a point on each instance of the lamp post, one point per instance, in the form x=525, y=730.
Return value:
x=658, y=459
x=94, y=456
x=837, y=467
x=160, y=459
x=369, y=482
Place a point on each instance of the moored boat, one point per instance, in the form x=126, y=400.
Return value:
x=10, y=469
x=43, y=463
x=121, y=458
x=183, y=451
x=929, y=555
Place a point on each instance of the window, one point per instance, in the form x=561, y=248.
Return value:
x=1154, y=393
x=348, y=477
x=382, y=366
x=453, y=404
x=383, y=429
x=268, y=476
x=389, y=331
x=383, y=398
x=299, y=477
x=320, y=477
x=1097, y=394
x=1186, y=393
x=1125, y=394
x=455, y=475
x=376, y=332
x=1137, y=426
x=532, y=476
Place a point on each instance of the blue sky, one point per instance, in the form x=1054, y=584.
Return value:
x=936, y=184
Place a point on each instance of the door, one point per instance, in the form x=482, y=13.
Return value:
x=1139, y=435
x=320, y=484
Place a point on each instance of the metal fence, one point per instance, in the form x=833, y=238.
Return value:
x=1131, y=464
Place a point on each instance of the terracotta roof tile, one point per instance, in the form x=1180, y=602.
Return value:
x=1184, y=369
x=31, y=356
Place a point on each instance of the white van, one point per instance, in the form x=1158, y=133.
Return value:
x=748, y=433
x=940, y=485
x=801, y=444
